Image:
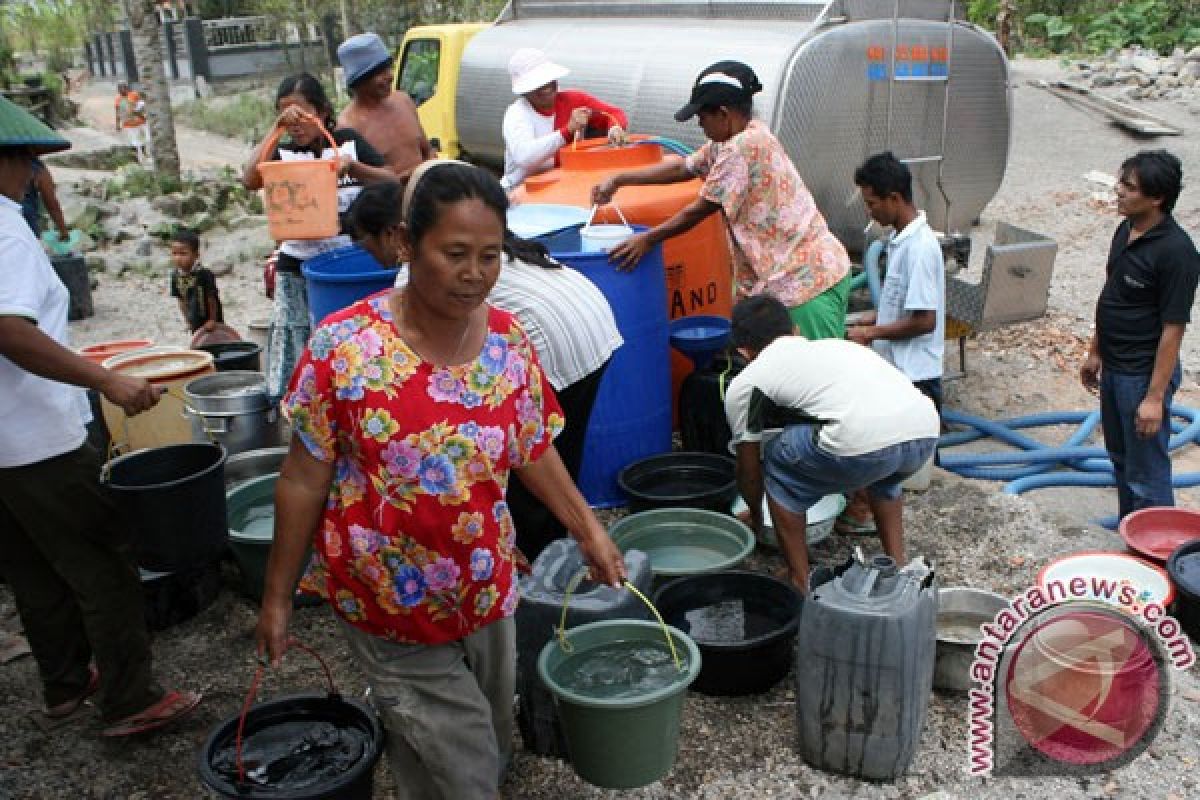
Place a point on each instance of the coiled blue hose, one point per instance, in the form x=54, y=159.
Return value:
x=671, y=145
x=1034, y=465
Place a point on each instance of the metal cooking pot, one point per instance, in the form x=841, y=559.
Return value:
x=233, y=408
x=961, y=611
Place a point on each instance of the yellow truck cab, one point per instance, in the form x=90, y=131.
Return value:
x=427, y=68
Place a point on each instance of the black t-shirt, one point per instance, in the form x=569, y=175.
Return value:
x=361, y=150
x=194, y=288
x=1150, y=282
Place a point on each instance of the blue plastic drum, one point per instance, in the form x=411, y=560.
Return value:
x=631, y=418
x=340, y=278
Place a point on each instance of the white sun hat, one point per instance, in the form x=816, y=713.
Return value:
x=530, y=69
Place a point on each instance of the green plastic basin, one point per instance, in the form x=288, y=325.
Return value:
x=685, y=541
x=250, y=508
x=620, y=743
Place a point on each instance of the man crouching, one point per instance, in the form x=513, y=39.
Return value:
x=849, y=420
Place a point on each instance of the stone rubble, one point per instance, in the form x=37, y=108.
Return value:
x=1135, y=73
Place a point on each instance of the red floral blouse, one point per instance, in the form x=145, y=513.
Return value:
x=416, y=541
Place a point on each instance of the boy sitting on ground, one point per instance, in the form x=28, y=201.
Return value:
x=194, y=286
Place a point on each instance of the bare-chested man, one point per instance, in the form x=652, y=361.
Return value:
x=385, y=118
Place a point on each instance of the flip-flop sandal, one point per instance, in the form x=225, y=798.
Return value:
x=172, y=706
x=69, y=707
x=849, y=525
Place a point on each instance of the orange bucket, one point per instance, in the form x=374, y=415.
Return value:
x=300, y=197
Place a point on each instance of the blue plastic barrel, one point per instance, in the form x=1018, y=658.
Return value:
x=340, y=277
x=631, y=418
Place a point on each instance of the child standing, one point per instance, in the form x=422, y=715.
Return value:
x=192, y=285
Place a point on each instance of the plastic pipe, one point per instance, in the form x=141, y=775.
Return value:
x=871, y=270
x=1036, y=460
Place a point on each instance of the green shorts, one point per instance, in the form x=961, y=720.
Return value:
x=824, y=317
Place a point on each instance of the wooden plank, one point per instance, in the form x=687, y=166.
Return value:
x=1123, y=114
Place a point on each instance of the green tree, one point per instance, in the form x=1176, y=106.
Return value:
x=147, y=51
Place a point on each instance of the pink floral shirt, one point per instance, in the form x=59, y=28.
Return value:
x=416, y=542
x=781, y=242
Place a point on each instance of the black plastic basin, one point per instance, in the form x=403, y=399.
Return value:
x=743, y=622
x=680, y=480
x=234, y=355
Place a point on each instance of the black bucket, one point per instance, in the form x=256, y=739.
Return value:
x=173, y=501
x=229, y=356
x=171, y=598
x=355, y=741
x=1183, y=567
x=745, y=648
x=73, y=272
x=680, y=480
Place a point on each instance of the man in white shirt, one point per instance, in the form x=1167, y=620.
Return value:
x=63, y=549
x=850, y=420
x=909, y=328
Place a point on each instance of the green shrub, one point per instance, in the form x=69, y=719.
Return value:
x=247, y=116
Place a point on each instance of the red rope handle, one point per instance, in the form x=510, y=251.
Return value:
x=255, y=682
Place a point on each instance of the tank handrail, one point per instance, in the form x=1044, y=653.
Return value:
x=802, y=10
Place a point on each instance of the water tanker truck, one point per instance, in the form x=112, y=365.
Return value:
x=842, y=79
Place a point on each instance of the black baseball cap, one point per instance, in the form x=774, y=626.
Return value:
x=721, y=84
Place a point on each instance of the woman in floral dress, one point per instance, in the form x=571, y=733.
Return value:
x=781, y=243
x=409, y=411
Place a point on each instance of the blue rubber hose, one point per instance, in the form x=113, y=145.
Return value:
x=671, y=145
x=871, y=270
x=1034, y=465
x=1033, y=457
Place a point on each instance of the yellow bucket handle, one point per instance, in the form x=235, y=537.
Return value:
x=573, y=584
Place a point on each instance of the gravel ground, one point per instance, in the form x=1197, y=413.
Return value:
x=741, y=748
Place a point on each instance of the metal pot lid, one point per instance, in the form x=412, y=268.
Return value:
x=223, y=392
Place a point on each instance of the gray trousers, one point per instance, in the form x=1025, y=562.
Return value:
x=447, y=709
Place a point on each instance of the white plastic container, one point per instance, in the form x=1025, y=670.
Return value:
x=256, y=331
x=602, y=238
x=919, y=480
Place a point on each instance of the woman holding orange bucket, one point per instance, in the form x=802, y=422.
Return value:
x=781, y=243
x=306, y=115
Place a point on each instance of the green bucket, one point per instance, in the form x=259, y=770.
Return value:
x=620, y=743
x=251, y=533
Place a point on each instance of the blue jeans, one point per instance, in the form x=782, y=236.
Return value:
x=1142, y=467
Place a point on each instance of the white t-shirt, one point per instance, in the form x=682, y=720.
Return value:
x=916, y=281
x=39, y=418
x=861, y=402
x=568, y=320
x=530, y=142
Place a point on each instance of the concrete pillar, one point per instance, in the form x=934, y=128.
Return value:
x=169, y=51
x=110, y=54
x=197, y=51
x=127, y=57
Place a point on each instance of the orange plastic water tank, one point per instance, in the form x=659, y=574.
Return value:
x=699, y=277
